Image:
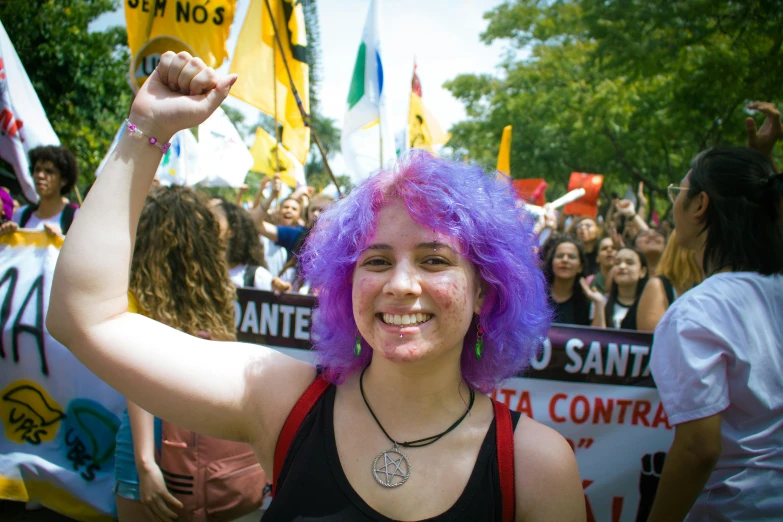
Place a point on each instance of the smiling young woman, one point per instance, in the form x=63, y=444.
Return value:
x=429, y=294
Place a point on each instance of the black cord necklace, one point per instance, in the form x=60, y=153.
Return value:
x=393, y=471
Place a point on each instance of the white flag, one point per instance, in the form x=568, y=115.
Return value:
x=224, y=160
x=367, y=140
x=180, y=166
x=23, y=123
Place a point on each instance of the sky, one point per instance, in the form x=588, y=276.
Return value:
x=442, y=35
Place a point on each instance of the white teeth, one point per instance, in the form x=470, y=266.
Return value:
x=406, y=319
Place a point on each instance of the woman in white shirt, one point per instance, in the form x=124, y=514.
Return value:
x=717, y=357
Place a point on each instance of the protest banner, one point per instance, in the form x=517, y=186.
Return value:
x=591, y=385
x=59, y=420
x=198, y=27
x=23, y=123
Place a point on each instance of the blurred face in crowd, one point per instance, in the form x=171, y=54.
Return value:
x=628, y=268
x=565, y=262
x=606, y=253
x=651, y=242
x=586, y=230
x=47, y=178
x=290, y=212
x=314, y=210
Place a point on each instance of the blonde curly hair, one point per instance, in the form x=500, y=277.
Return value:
x=179, y=274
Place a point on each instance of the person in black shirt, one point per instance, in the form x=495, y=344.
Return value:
x=564, y=267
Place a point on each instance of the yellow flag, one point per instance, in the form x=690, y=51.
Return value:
x=504, y=156
x=265, y=154
x=423, y=129
x=262, y=72
x=157, y=26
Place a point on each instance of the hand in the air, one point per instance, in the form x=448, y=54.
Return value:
x=181, y=93
x=640, y=195
x=626, y=208
x=763, y=139
x=592, y=293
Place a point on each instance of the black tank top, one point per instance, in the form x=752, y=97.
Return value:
x=312, y=485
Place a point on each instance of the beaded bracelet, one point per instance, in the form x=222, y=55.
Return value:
x=136, y=133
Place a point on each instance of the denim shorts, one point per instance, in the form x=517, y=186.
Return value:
x=126, y=478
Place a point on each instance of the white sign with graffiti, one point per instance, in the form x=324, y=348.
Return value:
x=59, y=420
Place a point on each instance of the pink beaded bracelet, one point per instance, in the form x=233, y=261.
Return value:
x=136, y=133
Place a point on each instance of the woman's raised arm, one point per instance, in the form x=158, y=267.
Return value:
x=201, y=385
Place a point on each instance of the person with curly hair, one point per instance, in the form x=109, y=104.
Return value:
x=54, y=172
x=430, y=294
x=178, y=277
x=244, y=250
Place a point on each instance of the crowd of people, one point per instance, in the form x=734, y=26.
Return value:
x=433, y=286
x=616, y=271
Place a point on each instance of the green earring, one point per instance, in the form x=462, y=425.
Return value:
x=479, y=343
x=357, y=349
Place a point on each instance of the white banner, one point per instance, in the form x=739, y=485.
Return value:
x=59, y=420
x=23, y=123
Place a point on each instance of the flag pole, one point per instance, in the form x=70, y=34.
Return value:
x=277, y=135
x=299, y=105
x=274, y=90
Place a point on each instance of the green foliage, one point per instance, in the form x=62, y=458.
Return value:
x=631, y=89
x=80, y=77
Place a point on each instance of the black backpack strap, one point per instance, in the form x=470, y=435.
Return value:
x=250, y=275
x=27, y=213
x=66, y=218
x=668, y=287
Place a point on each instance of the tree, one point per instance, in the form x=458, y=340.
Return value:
x=80, y=77
x=630, y=89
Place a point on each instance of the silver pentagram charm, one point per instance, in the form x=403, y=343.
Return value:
x=391, y=468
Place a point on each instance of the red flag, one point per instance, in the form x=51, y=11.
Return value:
x=415, y=83
x=531, y=190
x=587, y=205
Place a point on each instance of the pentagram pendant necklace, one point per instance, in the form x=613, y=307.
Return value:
x=392, y=467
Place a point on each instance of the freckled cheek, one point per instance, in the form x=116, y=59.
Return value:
x=362, y=296
x=453, y=298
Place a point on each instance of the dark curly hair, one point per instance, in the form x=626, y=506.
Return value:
x=244, y=246
x=61, y=158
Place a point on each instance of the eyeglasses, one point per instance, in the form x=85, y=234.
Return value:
x=673, y=190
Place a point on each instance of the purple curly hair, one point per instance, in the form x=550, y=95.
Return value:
x=456, y=200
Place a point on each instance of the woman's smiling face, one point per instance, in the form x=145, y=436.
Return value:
x=413, y=294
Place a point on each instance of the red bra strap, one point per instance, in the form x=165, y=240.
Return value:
x=505, y=446
x=294, y=420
